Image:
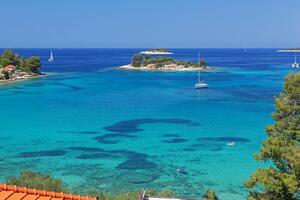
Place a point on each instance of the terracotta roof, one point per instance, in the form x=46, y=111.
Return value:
x=9, y=192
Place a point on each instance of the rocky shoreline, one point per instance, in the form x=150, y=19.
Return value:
x=166, y=68
x=156, y=53
x=19, y=75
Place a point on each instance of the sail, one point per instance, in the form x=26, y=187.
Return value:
x=51, y=58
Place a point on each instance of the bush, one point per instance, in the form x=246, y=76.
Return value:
x=210, y=195
x=166, y=194
x=5, y=62
x=202, y=63
x=37, y=180
x=136, y=60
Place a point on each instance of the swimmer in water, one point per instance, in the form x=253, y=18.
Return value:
x=181, y=171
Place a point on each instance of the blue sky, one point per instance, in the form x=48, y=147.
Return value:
x=150, y=23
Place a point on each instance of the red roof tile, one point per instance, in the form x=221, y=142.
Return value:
x=9, y=68
x=9, y=192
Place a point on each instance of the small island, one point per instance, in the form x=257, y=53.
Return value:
x=16, y=68
x=289, y=50
x=156, y=51
x=163, y=64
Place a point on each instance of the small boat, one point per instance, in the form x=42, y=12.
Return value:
x=295, y=64
x=51, y=58
x=230, y=144
x=200, y=84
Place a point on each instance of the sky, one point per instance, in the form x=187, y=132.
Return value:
x=149, y=23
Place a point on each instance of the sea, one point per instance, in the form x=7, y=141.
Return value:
x=98, y=127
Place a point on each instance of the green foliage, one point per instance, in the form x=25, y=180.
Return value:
x=36, y=180
x=5, y=62
x=210, y=195
x=32, y=64
x=158, y=61
x=8, y=57
x=202, y=63
x=281, y=148
x=151, y=192
x=5, y=75
x=129, y=195
x=159, y=49
x=122, y=196
x=166, y=194
x=136, y=60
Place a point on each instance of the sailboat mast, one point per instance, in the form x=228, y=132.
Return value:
x=199, y=67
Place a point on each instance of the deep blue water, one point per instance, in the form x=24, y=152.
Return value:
x=95, y=126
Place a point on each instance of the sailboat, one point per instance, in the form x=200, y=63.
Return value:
x=51, y=58
x=295, y=64
x=200, y=84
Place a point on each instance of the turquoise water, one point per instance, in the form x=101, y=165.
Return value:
x=95, y=126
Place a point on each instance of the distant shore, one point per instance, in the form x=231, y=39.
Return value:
x=156, y=53
x=14, y=68
x=288, y=50
x=166, y=68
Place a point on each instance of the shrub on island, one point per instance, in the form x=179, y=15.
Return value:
x=159, y=50
x=210, y=195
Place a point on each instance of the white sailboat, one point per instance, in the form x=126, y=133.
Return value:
x=295, y=64
x=51, y=58
x=200, y=84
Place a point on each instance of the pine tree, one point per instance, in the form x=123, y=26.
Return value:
x=281, y=150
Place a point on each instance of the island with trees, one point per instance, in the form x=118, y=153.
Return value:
x=163, y=64
x=289, y=50
x=16, y=68
x=156, y=51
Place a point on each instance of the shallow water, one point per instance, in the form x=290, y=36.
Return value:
x=95, y=126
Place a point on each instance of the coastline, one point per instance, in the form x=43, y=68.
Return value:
x=11, y=81
x=155, y=53
x=288, y=50
x=165, y=69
